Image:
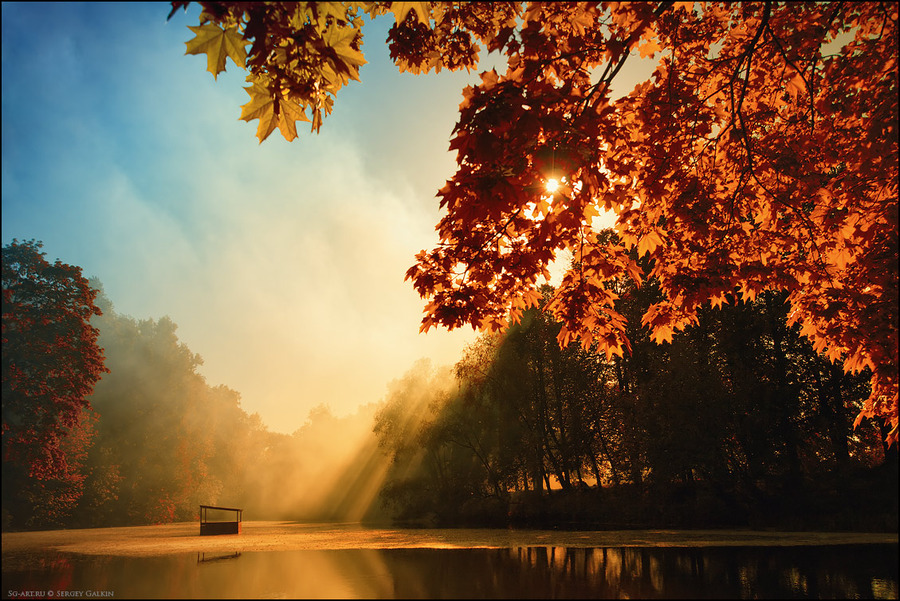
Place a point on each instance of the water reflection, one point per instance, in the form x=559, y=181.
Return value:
x=207, y=557
x=851, y=571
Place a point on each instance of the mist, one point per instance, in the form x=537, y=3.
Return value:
x=163, y=441
x=281, y=263
x=328, y=470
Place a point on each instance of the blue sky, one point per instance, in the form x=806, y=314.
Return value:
x=281, y=263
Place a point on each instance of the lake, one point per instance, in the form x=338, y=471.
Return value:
x=290, y=560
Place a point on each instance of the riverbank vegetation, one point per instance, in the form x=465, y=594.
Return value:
x=737, y=423
x=726, y=355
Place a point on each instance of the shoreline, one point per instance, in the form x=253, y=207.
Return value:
x=184, y=537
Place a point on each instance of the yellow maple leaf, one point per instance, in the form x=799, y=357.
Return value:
x=401, y=9
x=323, y=10
x=662, y=333
x=612, y=348
x=649, y=242
x=718, y=300
x=856, y=362
x=290, y=112
x=649, y=48
x=341, y=38
x=796, y=85
x=840, y=257
x=261, y=106
x=217, y=44
x=747, y=292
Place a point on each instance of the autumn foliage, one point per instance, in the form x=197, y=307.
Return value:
x=761, y=154
x=51, y=361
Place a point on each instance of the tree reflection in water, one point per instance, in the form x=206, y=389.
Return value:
x=845, y=571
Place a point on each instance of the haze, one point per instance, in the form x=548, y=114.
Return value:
x=282, y=264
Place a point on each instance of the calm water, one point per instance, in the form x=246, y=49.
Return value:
x=842, y=572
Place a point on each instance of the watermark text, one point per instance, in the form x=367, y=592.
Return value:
x=59, y=594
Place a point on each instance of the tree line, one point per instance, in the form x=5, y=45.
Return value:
x=149, y=439
x=737, y=422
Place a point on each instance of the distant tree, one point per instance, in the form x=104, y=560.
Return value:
x=762, y=154
x=554, y=395
x=738, y=421
x=433, y=447
x=157, y=425
x=168, y=441
x=51, y=361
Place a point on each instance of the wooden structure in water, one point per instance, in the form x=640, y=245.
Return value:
x=211, y=527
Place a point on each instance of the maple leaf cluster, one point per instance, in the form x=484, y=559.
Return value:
x=761, y=154
x=301, y=54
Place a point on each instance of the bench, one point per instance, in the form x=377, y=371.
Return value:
x=212, y=527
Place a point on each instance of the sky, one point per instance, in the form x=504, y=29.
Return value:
x=281, y=263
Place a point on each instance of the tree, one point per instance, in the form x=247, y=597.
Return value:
x=157, y=423
x=421, y=477
x=51, y=362
x=166, y=440
x=762, y=154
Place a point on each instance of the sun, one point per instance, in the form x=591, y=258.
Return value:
x=552, y=185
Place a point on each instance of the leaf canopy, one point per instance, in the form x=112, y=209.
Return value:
x=761, y=154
